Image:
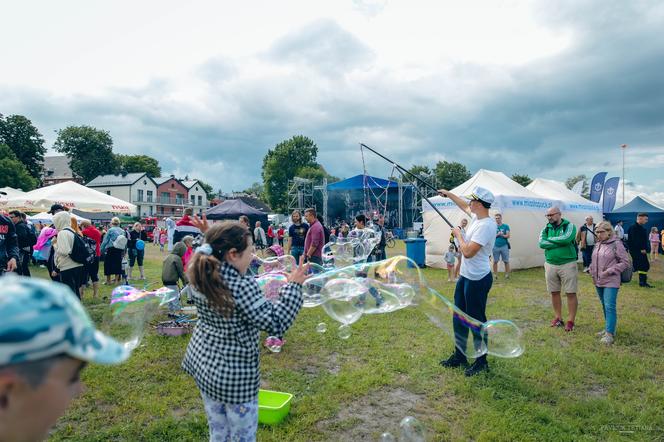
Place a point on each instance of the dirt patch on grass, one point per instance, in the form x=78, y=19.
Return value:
x=371, y=415
x=659, y=311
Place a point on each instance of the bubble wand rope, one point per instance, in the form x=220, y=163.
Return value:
x=404, y=172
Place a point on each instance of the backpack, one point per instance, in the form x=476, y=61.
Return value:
x=625, y=275
x=120, y=242
x=31, y=237
x=80, y=252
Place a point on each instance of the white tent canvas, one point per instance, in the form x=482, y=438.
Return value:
x=573, y=206
x=45, y=218
x=522, y=210
x=10, y=192
x=71, y=195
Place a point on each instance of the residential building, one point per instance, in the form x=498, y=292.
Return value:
x=197, y=196
x=57, y=170
x=136, y=188
x=172, y=197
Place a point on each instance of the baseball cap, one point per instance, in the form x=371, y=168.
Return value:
x=481, y=194
x=40, y=319
x=55, y=207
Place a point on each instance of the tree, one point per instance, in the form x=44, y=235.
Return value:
x=209, y=192
x=451, y=174
x=316, y=173
x=282, y=164
x=420, y=171
x=90, y=151
x=22, y=137
x=524, y=180
x=13, y=173
x=256, y=189
x=571, y=181
x=139, y=163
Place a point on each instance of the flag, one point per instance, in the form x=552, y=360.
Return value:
x=610, y=192
x=596, y=187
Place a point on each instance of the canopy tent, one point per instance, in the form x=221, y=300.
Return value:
x=233, y=209
x=10, y=192
x=522, y=209
x=45, y=218
x=364, y=193
x=71, y=195
x=573, y=206
x=639, y=204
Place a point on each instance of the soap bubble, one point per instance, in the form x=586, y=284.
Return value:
x=271, y=283
x=130, y=310
x=356, y=248
x=387, y=437
x=321, y=327
x=411, y=430
x=284, y=263
x=503, y=338
x=344, y=331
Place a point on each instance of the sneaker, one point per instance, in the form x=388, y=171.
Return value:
x=478, y=366
x=449, y=280
x=454, y=361
x=607, y=339
x=600, y=334
x=557, y=322
x=495, y=277
x=569, y=326
x=507, y=276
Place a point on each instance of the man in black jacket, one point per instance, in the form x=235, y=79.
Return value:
x=637, y=243
x=26, y=239
x=8, y=245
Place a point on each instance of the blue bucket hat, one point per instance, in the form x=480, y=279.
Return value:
x=40, y=319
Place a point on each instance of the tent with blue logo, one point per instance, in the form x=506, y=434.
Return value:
x=639, y=204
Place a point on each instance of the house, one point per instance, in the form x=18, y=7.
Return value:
x=136, y=188
x=57, y=170
x=197, y=196
x=172, y=197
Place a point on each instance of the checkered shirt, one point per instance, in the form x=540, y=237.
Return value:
x=223, y=354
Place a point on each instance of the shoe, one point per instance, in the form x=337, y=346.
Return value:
x=449, y=280
x=478, y=367
x=607, y=339
x=507, y=276
x=601, y=334
x=454, y=361
x=586, y=269
x=569, y=326
x=557, y=322
x=495, y=277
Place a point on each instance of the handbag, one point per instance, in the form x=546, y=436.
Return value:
x=625, y=275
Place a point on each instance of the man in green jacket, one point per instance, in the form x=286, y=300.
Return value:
x=560, y=253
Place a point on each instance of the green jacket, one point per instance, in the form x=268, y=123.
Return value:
x=559, y=243
x=172, y=269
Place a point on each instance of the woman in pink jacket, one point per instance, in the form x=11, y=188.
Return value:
x=608, y=261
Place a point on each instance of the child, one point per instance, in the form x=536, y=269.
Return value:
x=654, y=243
x=222, y=355
x=172, y=271
x=46, y=339
x=163, y=237
x=189, y=243
x=450, y=259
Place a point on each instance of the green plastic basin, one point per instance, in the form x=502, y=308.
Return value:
x=273, y=406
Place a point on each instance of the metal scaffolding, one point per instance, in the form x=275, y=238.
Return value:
x=423, y=190
x=303, y=193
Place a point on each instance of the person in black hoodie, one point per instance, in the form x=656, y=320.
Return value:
x=26, y=239
x=8, y=245
x=637, y=243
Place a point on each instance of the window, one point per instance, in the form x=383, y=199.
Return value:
x=108, y=192
x=193, y=200
x=200, y=200
x=164, y=197
x=179, y=198
x=140, y=195
x=145, y=183
x=149, y=196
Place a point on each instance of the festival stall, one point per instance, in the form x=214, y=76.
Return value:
x=71, y=195
x=639, y=204
x=573, y=206
x=233, y=209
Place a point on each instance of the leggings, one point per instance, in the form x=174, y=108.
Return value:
x=231, y=422
x=470, y=296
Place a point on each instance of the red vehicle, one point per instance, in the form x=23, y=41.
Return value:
x=149, y=225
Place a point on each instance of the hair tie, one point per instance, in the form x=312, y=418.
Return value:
x=205, y=249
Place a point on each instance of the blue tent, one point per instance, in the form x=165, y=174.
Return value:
x=362, y=181
x=628, y=212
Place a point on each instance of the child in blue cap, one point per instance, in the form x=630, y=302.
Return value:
x=46, y=339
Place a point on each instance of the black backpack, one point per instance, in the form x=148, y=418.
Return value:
x=82, y=251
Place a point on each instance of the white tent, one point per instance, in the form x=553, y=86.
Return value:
x=46, y=218
x=10, y=192
x=71, y=195
x=522, y=210
x=573, y=206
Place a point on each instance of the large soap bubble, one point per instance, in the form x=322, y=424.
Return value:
x=356, y=248
x=130, y=311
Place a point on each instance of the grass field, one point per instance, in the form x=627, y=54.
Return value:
x=566, y=386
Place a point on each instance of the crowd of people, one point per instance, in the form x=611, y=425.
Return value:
x=213, y=262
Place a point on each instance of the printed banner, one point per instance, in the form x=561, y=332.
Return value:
x=520, y=203
x=597, y=186
x=610, y=191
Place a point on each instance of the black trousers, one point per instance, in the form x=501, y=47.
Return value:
x=73, y=279
x=640, y=261
x=23, y=264
x=470, y=297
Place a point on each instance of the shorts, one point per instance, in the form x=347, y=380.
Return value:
x=450, y=265
x=502, y=252
x=561, y=277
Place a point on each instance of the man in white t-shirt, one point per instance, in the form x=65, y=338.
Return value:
x=475, y=279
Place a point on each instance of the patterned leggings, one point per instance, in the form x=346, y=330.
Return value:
x=231, y=422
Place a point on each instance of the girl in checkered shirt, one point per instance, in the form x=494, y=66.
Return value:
x=223, y=354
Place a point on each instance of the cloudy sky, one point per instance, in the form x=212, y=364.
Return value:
x=549, y=89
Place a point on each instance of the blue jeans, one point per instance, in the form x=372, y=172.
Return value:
x=608, y=296
x=297, y=251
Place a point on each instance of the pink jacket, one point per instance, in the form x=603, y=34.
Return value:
x=609, y=260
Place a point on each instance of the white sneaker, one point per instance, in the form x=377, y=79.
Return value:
x=607, y=339
x=507, y=276
x=601, y=334
x=585, y=269
x=449, y=280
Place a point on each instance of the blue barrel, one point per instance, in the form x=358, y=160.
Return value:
x=416, y=250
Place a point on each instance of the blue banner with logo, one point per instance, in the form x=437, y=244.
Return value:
x=610, y=191
x=597, y=186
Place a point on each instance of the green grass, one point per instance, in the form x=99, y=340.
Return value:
x=565, y=387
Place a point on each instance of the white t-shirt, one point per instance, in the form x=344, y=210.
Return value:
x=482, y=232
